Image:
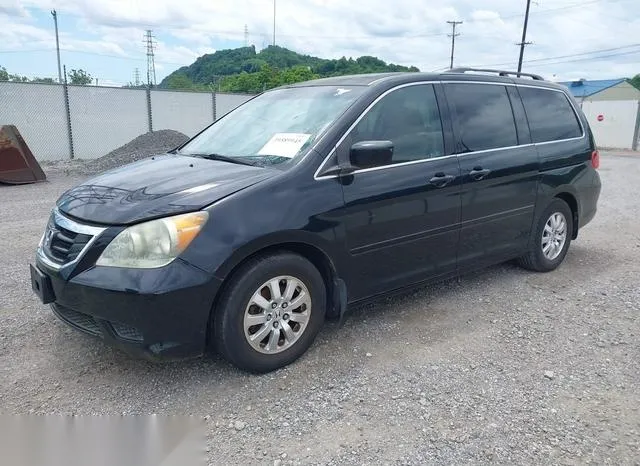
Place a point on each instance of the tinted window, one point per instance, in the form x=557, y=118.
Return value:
x=550, y=115
x=409, y=117
x=484, y=116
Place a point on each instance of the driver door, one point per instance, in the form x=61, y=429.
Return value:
x=402, y=220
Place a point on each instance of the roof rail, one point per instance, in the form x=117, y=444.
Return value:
x=537, y=77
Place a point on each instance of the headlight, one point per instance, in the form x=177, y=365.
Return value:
x=153, y=244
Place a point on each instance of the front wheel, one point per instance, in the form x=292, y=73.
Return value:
x=270, y=312
x=550, y=239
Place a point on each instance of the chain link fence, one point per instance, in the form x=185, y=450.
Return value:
x=63, y=121
x=38, y=111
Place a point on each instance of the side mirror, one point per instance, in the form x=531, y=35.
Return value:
x=369, y=154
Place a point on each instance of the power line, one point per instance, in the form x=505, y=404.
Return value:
x=453, y=36
x=585, y=53
x=599, y=57
x=537, y=12
x=26, y=51
x=536, y=60
x=125, y=57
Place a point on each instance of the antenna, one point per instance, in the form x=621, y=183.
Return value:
x=150, y=44
x=246, y=35
x=136, y=76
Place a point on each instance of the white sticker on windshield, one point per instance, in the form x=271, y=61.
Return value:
x=284, y=144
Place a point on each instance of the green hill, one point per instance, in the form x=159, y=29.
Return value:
x=245, y=70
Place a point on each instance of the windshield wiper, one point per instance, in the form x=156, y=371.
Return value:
x=226, y=158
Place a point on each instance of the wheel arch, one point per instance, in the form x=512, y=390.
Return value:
x=572, y=202
x=315, y=253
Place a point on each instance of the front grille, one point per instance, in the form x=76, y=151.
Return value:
x=81, y=321
x=62, y=245
x=126, y=332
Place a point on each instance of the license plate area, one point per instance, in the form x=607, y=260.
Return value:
x=41, y=285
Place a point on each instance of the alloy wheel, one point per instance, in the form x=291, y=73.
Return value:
x=554, y=236
x=277, y=314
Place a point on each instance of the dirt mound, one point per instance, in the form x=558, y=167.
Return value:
x=143, y=146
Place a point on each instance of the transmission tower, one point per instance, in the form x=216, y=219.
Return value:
x=136, y=76
x=246, y=35
x=149, y=41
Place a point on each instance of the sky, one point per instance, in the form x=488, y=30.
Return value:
x=571, y=39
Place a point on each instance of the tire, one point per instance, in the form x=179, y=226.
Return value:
x=536, y=259
x=237, y=310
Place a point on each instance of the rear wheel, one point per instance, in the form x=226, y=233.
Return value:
x=550, y=239
x=270, y=312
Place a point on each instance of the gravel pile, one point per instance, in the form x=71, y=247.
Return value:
x=143, y=146
x=139, y=148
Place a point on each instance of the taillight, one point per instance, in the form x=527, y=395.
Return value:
x=595, y=159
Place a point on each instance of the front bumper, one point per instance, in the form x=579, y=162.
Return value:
x=156, y=314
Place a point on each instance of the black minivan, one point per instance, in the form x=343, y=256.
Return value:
x=315, y=196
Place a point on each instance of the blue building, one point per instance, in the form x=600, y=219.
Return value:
x=602, y=89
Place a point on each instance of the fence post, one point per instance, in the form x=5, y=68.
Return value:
x=636, y=132
x=67, y=109
x=149, y=114
x=213, y=105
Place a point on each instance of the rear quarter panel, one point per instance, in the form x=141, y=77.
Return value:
x=565, y=167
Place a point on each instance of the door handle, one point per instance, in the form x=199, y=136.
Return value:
x=479, y=173
x=440, y=180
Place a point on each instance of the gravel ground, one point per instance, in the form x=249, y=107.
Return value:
x=502, y=366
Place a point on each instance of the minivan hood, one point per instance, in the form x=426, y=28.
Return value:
x=157, y=187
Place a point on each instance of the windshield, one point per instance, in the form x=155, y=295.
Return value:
x=276, y=126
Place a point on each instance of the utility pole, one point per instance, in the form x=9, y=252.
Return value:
x=246, y=35
x=151, y=65
x=453, y=36
x=274, y=23
x=524, y=42
x=55, y=22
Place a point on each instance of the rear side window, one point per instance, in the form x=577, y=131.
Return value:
x=484, y=116
x=550, y=115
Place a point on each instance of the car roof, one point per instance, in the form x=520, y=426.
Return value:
x=396, y=78
x=350, y=80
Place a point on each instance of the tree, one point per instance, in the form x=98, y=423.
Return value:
x=43, y=80
x=297, y=74
x=179, y=81
x=80, y=77
x=6, y=76
x=234, y=65
x=635, y=81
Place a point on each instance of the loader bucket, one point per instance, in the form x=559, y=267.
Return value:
x=17, y=163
